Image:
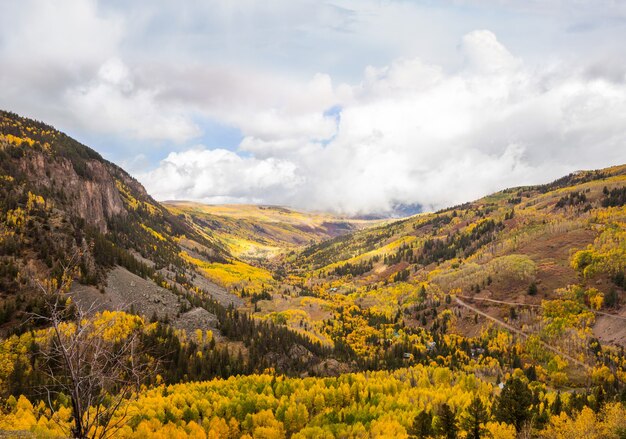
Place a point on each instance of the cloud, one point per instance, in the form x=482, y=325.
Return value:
x=485, y=54
x=75, y=32
x=264, y=107
x=560, y=7
x=111, y=102
x=351, y=106
x=61, y=63
x=221, y=176
x=45, y=46
x=413, y=133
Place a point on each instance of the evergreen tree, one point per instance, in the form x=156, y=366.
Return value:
x=422, y=294
x=422, y=425
x=513, y=406
x=447, y=425
x=600, y=398
x=578, y=401
x=475, y=418
x=612, y=299
x=531, y=373
x=557, y=405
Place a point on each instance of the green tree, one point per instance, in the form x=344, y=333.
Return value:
x=612, y=299
x=476, y=415
x=422, y=294
x=422, y=425
x=557, y=405
x=513, y=406
x=447, y=425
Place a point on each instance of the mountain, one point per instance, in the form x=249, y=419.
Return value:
x=61, y=202
x=63, y=207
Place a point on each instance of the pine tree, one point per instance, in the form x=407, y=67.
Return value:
x=612, y=299
x=600, y=397
x=531, y=373
x=447, y=426
x=422, y=425
x=475, y=418
x=557, y=405
x=514, y=403
x=422, y=294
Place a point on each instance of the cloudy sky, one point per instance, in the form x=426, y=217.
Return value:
x=349, y=106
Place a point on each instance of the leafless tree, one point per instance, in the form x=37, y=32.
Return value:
x=100, y=374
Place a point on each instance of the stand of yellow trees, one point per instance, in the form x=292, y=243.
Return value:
x=361, y=405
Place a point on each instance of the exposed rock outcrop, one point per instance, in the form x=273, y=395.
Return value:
x=93, y=197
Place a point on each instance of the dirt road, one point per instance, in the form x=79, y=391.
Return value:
x=521, y=333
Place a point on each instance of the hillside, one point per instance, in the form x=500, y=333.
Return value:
x=511, y=254
x=262, y=232
x=543, y=264
x=61, y=203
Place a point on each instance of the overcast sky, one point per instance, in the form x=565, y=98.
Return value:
x=348, y=106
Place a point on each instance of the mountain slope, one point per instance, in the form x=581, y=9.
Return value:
x=262, y=232
x=62, y=206
x=62, y=203
x=525, y=249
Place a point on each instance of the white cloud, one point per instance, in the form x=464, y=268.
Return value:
x=112, y=103
x=41, y=33
x=44, y=46
x=485, y=54
x=412, y=133
x=221, y=176
x=444, y=113
x=266, y=108
x=61, y=63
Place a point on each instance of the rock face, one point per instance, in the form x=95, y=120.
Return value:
x=198, y=318
x=70, y=176
x=330, y=367
x=93, y=197
x=62, y=203
x=218, y=293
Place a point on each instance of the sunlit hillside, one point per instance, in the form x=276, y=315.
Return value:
x=302, y=219
x=512, y=256
x=262, y=232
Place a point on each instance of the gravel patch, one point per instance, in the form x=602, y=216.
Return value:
x=126, y=291
x=198, y=318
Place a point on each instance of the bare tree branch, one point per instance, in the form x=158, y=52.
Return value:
x=99, y=374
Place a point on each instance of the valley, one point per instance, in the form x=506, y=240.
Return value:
x=263, y=321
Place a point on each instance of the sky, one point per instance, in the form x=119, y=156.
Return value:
x=353, y=107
